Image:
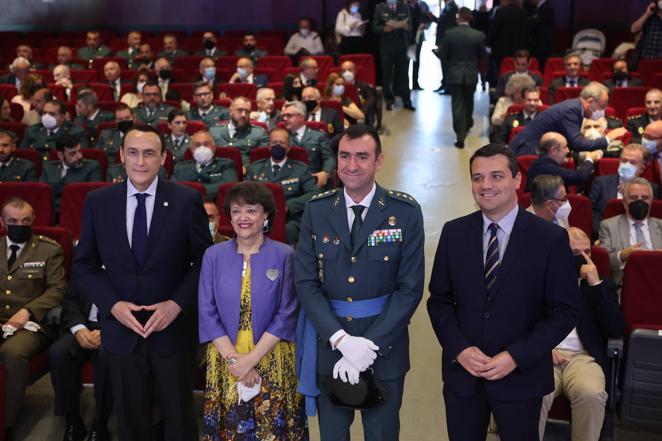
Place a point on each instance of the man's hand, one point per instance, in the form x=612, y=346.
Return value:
x=472, y=359
x=557, y=358
x=86, y=339
x=322, y=178
x=19, y=319
x=358, y=351
x=164, y=314
x=123, y=312
x=589, y=271
x=595, y=155
x=97, y=337
x=244, y=364
x=625, y=253
x=346, y=371
x=498, y=367
x=616, y=133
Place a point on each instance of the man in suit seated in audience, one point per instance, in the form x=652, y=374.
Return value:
x=633, y=231
x=549, y=200
x=18, y=70
x=205, y=110
x=163, y=70
x=266, y=108
x=636, y=124
x=632, y=165
x=620, y=76
x=34, y=282
x=25, y=51
x=152, y=111
x=214, y=220
x=207, y=69
x=79, y=343
x=566, y=118
x=205, y=167
x=367, y=95
x=305, y=41
x=69, y=167
x=62, y=77
x=170, y=49
x=245, y=74
x=42, y=136
x=178, y=141
x=298, y=185
x=11, y=167
x=531, y=101
x=522, y=63
x=309, y=70
x=554, y=153
x=573, y=65
x=94, y=48
x=312, y=98
x=89, y=114
x=322, y=162
x=250, y=49
x=133, y=40
x=38, y=100
x=65, y=57
x=239, y=132
x=581, y=366
x=209, y=48
x=110, y=140
x=144, y=59
x=112, y=72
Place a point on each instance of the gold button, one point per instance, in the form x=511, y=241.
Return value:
x=385, y=258
x=349, y=318
x=29, y=276
x=349, y=299
x=9, y=277
x=320, y=255
x=8, y=292
x=7, y=306
x=353, y=259
x=350, y=279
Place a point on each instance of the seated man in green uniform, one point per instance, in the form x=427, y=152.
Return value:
x=69, y=167
x=32, y=277
x=171, y=49
x=178, y=140
x=214, y=219
x=42, y=136
x=204, y=167
x=110, y=140
x=89, y=115
x=133, y=40
x=298, y=185
x=11, y=167
x=94, y=48
x=205, y=110
x=636, y=124
x=152, y=110
x=322, y=163
x=239, y=132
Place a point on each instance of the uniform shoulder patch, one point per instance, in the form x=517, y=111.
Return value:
x=47, y=239
x=324, y=195
x=401, y=196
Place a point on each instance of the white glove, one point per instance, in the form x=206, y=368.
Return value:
x=346, y=371
x=359, y=351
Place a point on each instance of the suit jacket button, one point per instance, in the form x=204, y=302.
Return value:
x=487, y=315
x=353, y=259
x=9, y=277
x=351, y=279
x=349, y=318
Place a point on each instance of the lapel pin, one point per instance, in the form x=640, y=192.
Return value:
x=381, y=202
x=272, y=274
x=336, y=241
x=325, y=239
x=165, y=204
x=391, y=221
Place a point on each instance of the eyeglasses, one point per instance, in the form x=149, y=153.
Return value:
x=288, y=115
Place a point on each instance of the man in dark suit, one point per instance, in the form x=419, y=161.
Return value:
x=573, y=65
x=531, y=98
x=312, y=98
x=522, y=63
x=566, y=118
x=447, y=21
x=460, y=51
x=143, y=280
x=620, y=76
x=541, y=25
x=493, y=360
x=209, y=48
x=636, y=124
x=509, y=31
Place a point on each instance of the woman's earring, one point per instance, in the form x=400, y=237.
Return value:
x=265, y=226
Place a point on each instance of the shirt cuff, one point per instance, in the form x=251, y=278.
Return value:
x=77, y=328
x=620, y=261
x=339, y=333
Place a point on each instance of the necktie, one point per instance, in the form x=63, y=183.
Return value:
x=276, y=169
x=356, y=225
x=639, y=235
x=492, y=257
x=527, y=119
x=12, y=256
x=50, y=133
x=139, y=233
x=572, y=83
x=178, y=142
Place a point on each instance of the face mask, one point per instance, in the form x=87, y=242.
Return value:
x=243, y=73
x=304, y=32
x=124, y=126
x=620, y=75
x=19, y=233
x=165, y=74
x=338, y=90
x=564, y=211
x=579, y=262
x=263, y=117
x=212, y=229
x=210, y=73
x=348, y=76
x=593, y=133
x=48, y=121
x=249, y=48
x=650, y=144
x=310, y=105
x=354, y=9
x=203, y=155
x=278, y=152
x=140, y=85
x=597, y=114
x=627, y=171
x=208, y=44
x=638, y=209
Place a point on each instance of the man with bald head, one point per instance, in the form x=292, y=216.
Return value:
x=636, y=124
x=245, y=73
x=62, y=77
x=312, y=98
x=209, y=48
x=112, y=72
x=93, y=48
x=163, y=69
x=133, y=40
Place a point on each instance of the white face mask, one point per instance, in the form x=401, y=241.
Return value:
x=627, y=171
x=243, y=73
x=48, y=121
x=649, y=144
x=348, y=76
x=338, y=90
x=353, y=9
x=597, y=114
x=564, y=211
x=304, y=32
x=212, y=229
x=203, y=155
x=263, y=117
x=210, y=73
x=139, y=86
x=593, y=133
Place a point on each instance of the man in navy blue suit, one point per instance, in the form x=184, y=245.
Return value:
x=503, y=294
x=138, y=259
x=566, y=118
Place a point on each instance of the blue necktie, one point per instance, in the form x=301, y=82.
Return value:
x=492, y=257
x=139, y=233
x=356, y=225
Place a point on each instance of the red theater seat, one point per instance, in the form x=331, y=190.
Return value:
x=365, y=65
x=641, y=301
x=623, y=98
x=236, y=90
x=31, y=155
x=232, y=153
x=37, y=194
x=276, y=62
x=580, y=216
x=508, y=63
x=73, y=201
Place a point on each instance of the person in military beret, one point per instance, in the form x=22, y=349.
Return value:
x=178, y=141
x=205, y=110
x=359, y=274
x=93, y=48
x=214, y=221
x=69, y=167
x=636, y=124
x=42, y=136
x=110, y=140
x=239, y=132
x=152, y=110
x=531, y=101
x=11, y=167
x=32, y=280
x=294, y=176
x=204, y=167
x=312, y=98
x=89, y=115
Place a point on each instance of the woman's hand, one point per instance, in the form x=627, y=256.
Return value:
x=243, y=365
x=250, y=379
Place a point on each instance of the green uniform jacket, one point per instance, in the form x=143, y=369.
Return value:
x=216, y=116
x=217, y=172
x=36, y=281
x=90, y=54
x=178, y=151
x=320, y=155
x=18, y=170
x=160, y=114
x=36, y=137
x=172, y=56
x=636, y=124
x=461, y=49
x=398, y=39
x=246, y=139
x=110, y=141
x=125, y=54
x=91, y=124
x=51, y=173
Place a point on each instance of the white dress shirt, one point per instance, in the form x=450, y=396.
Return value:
x=344, y=22
x=503, y=232
x=366, y=201
x=315, y=116
x=132, y=204
x=311, y=42
x=20, y=247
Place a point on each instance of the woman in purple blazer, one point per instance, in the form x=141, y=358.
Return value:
x=248, y=310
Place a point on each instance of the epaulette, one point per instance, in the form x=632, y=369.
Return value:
x=47, y=240
x=637, y=116
x=401, y=197
x=324, y=195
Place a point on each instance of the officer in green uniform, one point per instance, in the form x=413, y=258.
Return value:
x=178, y=141
x=110, y=140
x=322, y=162
x=171, y=50
x=11, y=167
x=204, y=167
x=239, y=132
x=294, y=176
x=214, y=221
x=94, y=48
x=359, y=274
x=152, y=111
x=89, y=115
x=205, y=110
x=133, y=40
x=392, y=22
x=636, y=124
x=42, y=136
x=32, y=281
x=70, y=167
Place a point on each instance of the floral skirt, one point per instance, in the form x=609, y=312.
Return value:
x=276, y=413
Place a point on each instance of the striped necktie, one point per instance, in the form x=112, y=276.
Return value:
x=492, y=257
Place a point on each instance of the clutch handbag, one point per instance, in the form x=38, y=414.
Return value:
x=368, y=393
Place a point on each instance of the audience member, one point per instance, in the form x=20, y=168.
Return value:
x=152, y=111
x=542, y=27
x=204, y=109
x=65, y=57
x=207, y=69
x=209, y=47
x=18, y=70
x=620, y=76
x=517, y=83
x=214, y=220
x=170, y=49
x=522, y=61
x=304, y=42
x=113, y=75
x=30, y=84
x=42, y=136
x=292, y=87
x=350, y=28
x=250, y=49
x=530, y=109
x=11, y=167
x=245, y=74
x=94, y=48
x=636, y=124
x=144, y=59
x=6, y=111
x=335, y=91
x=163, y=70
x=178, y=141
x=594, y=128
x=650, y=27
x=110, y=140
x=267, y=112
x=62, y=77
x=573, y=66
x=447, y=20
x=89, y=114
x=134, y=97
x=549, y=200
x=366, y=92
x=39, y=99
x=308, y=75
x=133, y=41
x=312, y=98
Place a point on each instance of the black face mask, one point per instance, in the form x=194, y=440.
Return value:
x=208, y=44
x=124, y=126
x=579, y=261
x=310, y=105
x=165, y=74
x=278, y=152
x=620, y=75
x=249, y=48
x=638, y=209
x=19, y=233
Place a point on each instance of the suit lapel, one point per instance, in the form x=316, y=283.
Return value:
x=119, y=218
x=339, y=220
x=513, y=248
x=476, y=249
x=623, y=232
x=372, y=220
x=159, y=216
